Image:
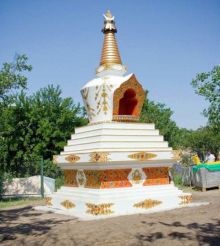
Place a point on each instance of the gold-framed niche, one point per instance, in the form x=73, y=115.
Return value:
x=128, y=100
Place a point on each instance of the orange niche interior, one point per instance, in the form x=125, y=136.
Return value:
x=128, y=99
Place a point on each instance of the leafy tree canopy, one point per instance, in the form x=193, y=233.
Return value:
x=37, y=126
x=33, y=126
x=208, y=86
x=12, y=79
x=204, y=139
x=160, y=115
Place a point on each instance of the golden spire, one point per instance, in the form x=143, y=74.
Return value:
x=110, y=58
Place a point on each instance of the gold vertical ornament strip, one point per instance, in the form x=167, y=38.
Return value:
x=89, y=109
x=102, y=97
x=85, y=93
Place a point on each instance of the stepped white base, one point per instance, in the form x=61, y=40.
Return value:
x=89, y=204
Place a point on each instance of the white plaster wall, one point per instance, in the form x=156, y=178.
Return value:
x=29, y=186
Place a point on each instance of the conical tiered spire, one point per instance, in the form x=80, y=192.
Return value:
x=110, y=58
x=110, y=53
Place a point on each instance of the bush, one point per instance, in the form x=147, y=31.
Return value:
x=59, y=182
x=186, y=159
x=177, y=179
x=176, y=174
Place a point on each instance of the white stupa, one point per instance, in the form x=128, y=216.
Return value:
x=115, y=165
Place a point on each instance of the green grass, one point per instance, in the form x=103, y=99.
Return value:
x=20, y=201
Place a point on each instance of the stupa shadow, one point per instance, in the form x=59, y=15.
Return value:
x=204, y=234
x=14, y=224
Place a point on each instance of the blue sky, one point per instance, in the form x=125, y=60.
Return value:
x=165, y=43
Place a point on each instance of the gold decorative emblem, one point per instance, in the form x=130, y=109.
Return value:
x=133, y=84
x=142, y=156
x=136, y=176
x=99, y=157
x=48, y=201
x=99, y=209
x=72, y=158
x=80, y=177
x=55, y=159
x=185, y=199
x=67, y=204
x=148, y=203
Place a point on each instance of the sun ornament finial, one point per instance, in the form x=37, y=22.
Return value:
x=109, y=22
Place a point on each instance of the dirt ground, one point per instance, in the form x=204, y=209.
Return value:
x=185, y=226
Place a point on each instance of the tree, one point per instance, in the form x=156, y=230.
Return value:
x=38, y=126
x=11, y=82
x=160, y=115
x=208, y=86
x=33, y=126
x=12, y=79
x=204, y=139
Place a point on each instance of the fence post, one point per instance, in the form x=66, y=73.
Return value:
x=42, y=176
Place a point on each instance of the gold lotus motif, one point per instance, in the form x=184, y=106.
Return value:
x=185, y=199
x=72, y=158
x=142, y=156
x=48, y=201
x=148, y=203
x=67, y=204
x=99, y=209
